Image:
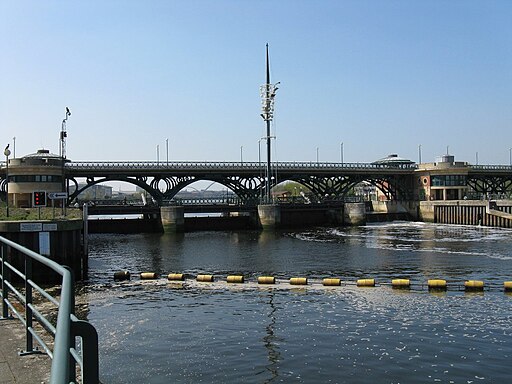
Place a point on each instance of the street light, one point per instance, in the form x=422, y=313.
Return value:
x=317, y=155
x=157, y=154
x=241, y=154
x=510, y=155
x=7, y=153
x=341, y=152
x=419, y=154
x=167, y=150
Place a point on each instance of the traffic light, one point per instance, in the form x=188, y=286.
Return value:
x=39, y=199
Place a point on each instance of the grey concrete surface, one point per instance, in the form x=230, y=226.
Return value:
x=30, y=369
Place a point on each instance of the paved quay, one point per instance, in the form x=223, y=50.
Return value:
x=31, y=369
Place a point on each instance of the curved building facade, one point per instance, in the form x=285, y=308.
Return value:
x=37, y=172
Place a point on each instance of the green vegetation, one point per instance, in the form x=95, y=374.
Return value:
x=292, y=187
x=45, y=213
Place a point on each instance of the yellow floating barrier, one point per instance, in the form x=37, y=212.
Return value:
x=366, y=283
x=205, y=278
x=436, y=284
x=266, y=280
x=235, y=279
x=176, y=276
x=507, y=285
x=401, y=283
x=122, y=275
x=148, y=276
x=299, y=281
x=331, y=282
x=474, y=285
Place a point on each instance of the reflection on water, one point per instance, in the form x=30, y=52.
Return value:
x=189, y=332
x=271, y=341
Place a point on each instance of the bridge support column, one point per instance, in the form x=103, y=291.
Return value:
x=355, y=213
x=173, y=218
x=269, y=215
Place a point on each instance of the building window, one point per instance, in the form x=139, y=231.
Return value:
x=35, y=179
x=448, y=181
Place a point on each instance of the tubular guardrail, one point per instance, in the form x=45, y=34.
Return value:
x=249, y=165
x=65, y=355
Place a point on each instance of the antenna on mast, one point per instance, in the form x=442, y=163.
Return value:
x=63, y=135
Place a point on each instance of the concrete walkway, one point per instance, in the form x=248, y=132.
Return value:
x=31, y=369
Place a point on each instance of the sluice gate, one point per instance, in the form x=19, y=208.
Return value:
x=477, y=213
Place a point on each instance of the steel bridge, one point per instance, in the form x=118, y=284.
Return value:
x=246, y=179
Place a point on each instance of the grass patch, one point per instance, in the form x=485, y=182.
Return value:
x=43, y=213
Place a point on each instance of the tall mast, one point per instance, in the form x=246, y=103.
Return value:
x=268, y=93
x=268, y=121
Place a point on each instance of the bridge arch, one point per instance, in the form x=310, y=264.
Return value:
x=90, y=181
x=247, y=189
x=339, y=186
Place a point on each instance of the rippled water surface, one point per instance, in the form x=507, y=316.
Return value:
x=185, y=332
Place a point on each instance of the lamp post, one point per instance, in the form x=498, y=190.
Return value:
x=317, y=155
x=510, y=156
x=341, y=152
x=14, y=147
x=419, y=154
x=241, y=154
x=157, y=154
x=167, y=150
x=7, y=153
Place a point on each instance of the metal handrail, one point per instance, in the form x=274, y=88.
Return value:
x=64, y=355
x=294, y=165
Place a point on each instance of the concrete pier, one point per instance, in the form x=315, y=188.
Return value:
x=355, y=213
x=269, y=215
x=173, y=218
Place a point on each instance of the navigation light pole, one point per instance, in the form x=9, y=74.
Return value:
x=268, y=93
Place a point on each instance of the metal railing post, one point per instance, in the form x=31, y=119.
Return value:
x=89, y=335
x=5, y=291
x=64, y=355
x=72, y=341
x=28, y=310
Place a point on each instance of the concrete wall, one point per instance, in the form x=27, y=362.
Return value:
x=466, y=212
x=62, y=239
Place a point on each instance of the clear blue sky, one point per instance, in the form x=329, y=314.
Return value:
x=380, y=76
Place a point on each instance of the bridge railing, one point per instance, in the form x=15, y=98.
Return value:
x=491, y=167
x=162, y=166
x=30, y=296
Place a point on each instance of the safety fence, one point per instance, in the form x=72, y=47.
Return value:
x=48, y=319
x=402, y=283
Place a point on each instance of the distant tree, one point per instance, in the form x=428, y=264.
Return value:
x=292, y=187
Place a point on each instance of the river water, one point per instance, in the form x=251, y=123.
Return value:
x=189, y=332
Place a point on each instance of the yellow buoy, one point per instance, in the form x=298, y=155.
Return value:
x=299, y=281
x=266, y=280
x=331, y=282
x=235, y=279
x=148, y=275
x=474, y=285
x=176, y=276
x=436, y=284
x=401, y=283
x=366, y=283
x=122, y=275
x=507, y=285
x=205, y=278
